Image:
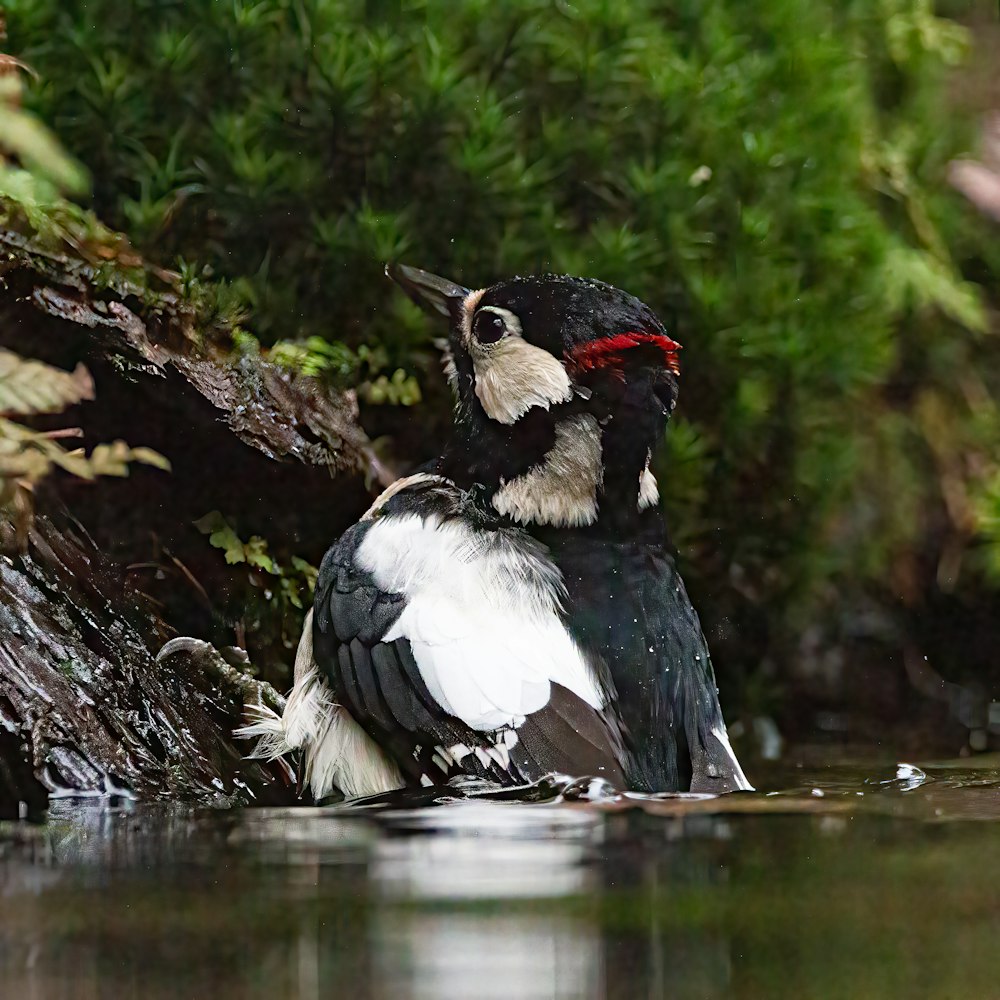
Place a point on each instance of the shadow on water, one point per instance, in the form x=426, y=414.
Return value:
x=840, y=882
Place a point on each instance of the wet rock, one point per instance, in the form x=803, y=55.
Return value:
x=85, y=708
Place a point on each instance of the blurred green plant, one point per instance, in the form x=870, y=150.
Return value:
x=767, y=175
x=35, y=169
x=292, y=584
x=336, y=362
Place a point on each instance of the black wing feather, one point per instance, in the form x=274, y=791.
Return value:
x=571, y=737
x=400, y=694
x=380, y=684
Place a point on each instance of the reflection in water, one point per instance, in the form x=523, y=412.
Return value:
x=780, y=896
x=454, y=956
x=478, y=851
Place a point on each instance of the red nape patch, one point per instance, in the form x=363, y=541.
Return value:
x=609, y=352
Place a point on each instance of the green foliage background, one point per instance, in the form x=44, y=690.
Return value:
x=768, y=175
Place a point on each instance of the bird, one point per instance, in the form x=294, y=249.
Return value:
x=513, y=609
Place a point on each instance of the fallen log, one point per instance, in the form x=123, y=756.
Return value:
x=148, y=332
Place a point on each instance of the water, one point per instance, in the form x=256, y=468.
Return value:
x=861, y=880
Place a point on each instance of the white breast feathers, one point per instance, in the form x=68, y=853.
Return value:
x=482, y=617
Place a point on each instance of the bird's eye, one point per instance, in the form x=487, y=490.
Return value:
x=489, y=327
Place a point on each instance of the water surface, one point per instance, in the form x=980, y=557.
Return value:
x=862, y=880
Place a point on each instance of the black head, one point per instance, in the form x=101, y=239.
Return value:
x=539, y=361
x=570, y=316
x=540, y=340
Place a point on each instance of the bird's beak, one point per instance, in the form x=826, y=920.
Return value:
x=428, y=290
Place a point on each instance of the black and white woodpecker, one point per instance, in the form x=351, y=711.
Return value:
x=514, y=610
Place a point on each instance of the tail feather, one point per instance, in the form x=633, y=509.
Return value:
x=344, y=756
x=268, y=728
x=307, y=712
x=337, y=753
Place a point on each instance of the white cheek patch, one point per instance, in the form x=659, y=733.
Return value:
x=512, y=376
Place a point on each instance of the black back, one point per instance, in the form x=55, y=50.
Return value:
x=627, y=604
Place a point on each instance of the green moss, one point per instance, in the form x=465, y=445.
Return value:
x=769, y=176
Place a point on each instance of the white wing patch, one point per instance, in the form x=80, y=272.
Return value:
x=482, y=617
x=406, y=483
